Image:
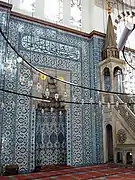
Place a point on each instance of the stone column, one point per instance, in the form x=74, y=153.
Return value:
x=112, y=83
x=124, y=158
x=104, y=143
x=115, y=157
x=123, y=88
x=114, y=132
x=102, y=83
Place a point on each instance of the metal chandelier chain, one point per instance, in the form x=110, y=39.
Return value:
x=62, y=81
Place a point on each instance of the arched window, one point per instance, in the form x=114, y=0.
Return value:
x=27, y=5
x=107, y=79
x=76, y=13
x=54, y=10
x=109, y=140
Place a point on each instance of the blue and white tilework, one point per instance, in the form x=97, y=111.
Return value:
x=52, y=48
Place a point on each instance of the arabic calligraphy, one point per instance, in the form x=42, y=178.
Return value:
x=40, y=45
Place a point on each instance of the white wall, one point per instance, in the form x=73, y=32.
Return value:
x=99, y=19
x=93, y=17
x=39, y=13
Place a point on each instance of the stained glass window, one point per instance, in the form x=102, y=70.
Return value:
x=27, y=5
x=76, y=13
x=54, y=10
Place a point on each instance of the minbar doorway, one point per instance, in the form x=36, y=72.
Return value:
x=109, y=140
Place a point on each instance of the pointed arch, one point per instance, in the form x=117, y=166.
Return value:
x=118, y=79
x=109, y=140
x=107, y=79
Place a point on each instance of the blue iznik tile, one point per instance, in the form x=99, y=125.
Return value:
x=27, y=137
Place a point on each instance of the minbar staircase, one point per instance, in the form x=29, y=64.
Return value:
x=125, y=110
x=122, y=114
x=122, y=119
x=130, y=100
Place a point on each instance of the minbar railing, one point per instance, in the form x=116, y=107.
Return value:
x=130, y=100
x=119, y=104
x=126, y=113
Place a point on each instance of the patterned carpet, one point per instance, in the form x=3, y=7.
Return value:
x=99, y=172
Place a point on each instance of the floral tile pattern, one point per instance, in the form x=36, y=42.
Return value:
x=63, y=51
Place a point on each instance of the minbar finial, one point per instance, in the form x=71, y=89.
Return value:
x=109, y=9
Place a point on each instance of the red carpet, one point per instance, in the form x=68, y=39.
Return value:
x=99, y=172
